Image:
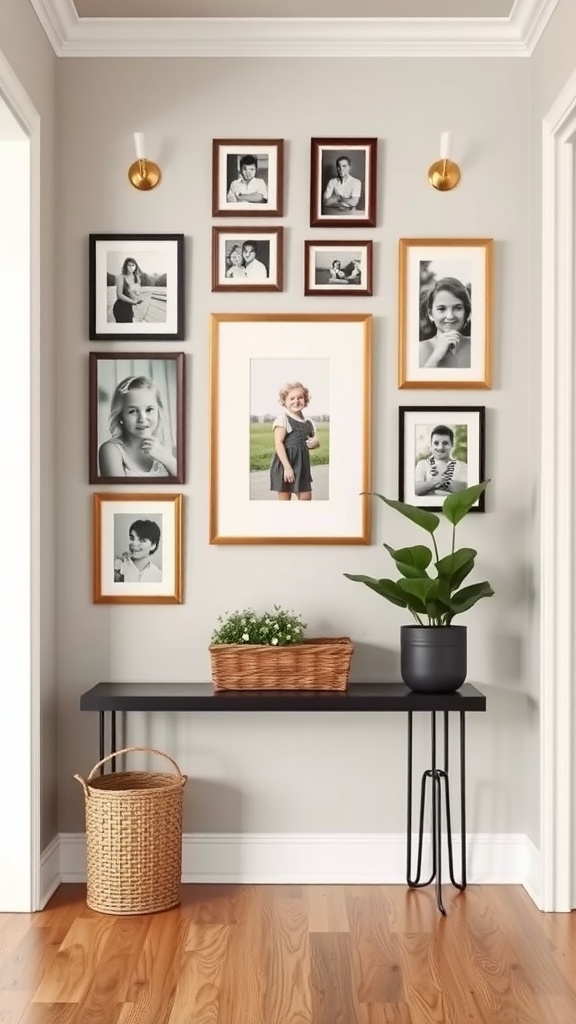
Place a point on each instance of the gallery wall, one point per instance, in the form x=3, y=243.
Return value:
x=290, y=773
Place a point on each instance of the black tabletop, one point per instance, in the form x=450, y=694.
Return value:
x=201, y=697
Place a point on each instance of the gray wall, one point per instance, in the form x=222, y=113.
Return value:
x=24, y=45
x=290, y=773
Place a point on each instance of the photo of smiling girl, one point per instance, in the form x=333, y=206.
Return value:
x=447, y=308
x=136, y=418
x=137, y=446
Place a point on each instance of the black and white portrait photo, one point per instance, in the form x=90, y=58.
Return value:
x=136, y=408
x=343, y=182
x=136, y=286
x=445, y=312
x=247, y=259
x=441, y=453
x=137, y=548
x=247, y=177
x=333, y=268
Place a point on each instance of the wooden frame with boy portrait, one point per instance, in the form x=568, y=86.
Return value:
x=137, y=548
x=247, y=177
x=445, y=313
x=259, y=364
x=136, y=409
x=338, y=268
x=136, y=287
x=343, y=183
x=247, y=259
x=441, y=451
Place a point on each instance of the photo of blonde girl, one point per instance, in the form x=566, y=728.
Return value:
x=136, y=419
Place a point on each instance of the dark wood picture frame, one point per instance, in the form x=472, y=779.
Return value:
x=268, y=256
x=463, y=428
x=167, y=373
x=227, y=158
x=357, y=206
x=351, y=278
x=156, y=307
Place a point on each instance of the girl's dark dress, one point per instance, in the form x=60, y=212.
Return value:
x=123, y=312
x=298, y=457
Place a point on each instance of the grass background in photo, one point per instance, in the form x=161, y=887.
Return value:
x=262, y=446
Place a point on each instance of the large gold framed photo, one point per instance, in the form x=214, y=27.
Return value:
x=290, y=426
x=138, y=548
x=445, y=313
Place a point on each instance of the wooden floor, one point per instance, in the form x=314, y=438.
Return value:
x=292, y=955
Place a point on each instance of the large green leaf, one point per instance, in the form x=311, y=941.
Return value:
x=418, y=593
x=427, y=520
x=468, y=596
x=411, y=562
x=458, y=504
x=386, y=588
x=455, y=567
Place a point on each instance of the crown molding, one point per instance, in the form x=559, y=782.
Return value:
x=71, y=36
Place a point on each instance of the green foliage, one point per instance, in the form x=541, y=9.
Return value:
x=277, y=628
x=432, y=600
x=262, y=445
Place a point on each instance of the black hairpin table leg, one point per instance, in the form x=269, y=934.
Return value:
x=439, y=779
x=102, y=738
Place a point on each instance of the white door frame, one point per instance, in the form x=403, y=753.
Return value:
x=557, y=550
x=20, y=519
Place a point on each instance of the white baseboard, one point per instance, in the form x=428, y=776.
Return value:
x=50, y=869
x=312, y=858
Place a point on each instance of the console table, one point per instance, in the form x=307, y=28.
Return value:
x=110, y=698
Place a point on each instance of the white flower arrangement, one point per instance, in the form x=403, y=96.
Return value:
x=277, y=628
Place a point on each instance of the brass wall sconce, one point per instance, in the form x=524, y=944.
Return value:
x=144, y=174
x=444, y=174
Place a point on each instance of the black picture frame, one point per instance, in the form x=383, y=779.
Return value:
x=416, y=427
x=153, y=294
x=111, y=381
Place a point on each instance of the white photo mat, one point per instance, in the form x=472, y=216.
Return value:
x=344, y=341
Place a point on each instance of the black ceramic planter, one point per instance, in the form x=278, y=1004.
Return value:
x=433, y=658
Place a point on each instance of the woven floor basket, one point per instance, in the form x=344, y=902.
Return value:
x=319, y=664
x=133, y=838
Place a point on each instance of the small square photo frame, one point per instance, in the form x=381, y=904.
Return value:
x=136, y=287
x=338, y=268
x=442, y=445
x=247, y=177
x=343, y=183
x=137, y=548
x=136, y=408
x=247, y=259
x=445, y=313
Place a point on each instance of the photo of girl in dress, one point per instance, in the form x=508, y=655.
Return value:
x=289, y=429
x=136, y=287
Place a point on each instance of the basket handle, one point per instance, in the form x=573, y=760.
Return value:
x=129, y=750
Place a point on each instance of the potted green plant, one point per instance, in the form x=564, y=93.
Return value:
x=433, y=652
x=268, y=651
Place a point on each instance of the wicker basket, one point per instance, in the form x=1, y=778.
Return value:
x=320, y=664
x=133, y=838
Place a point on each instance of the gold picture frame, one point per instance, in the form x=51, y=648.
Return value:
x=445, y=342
x=255, y=356
x=137, y=548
